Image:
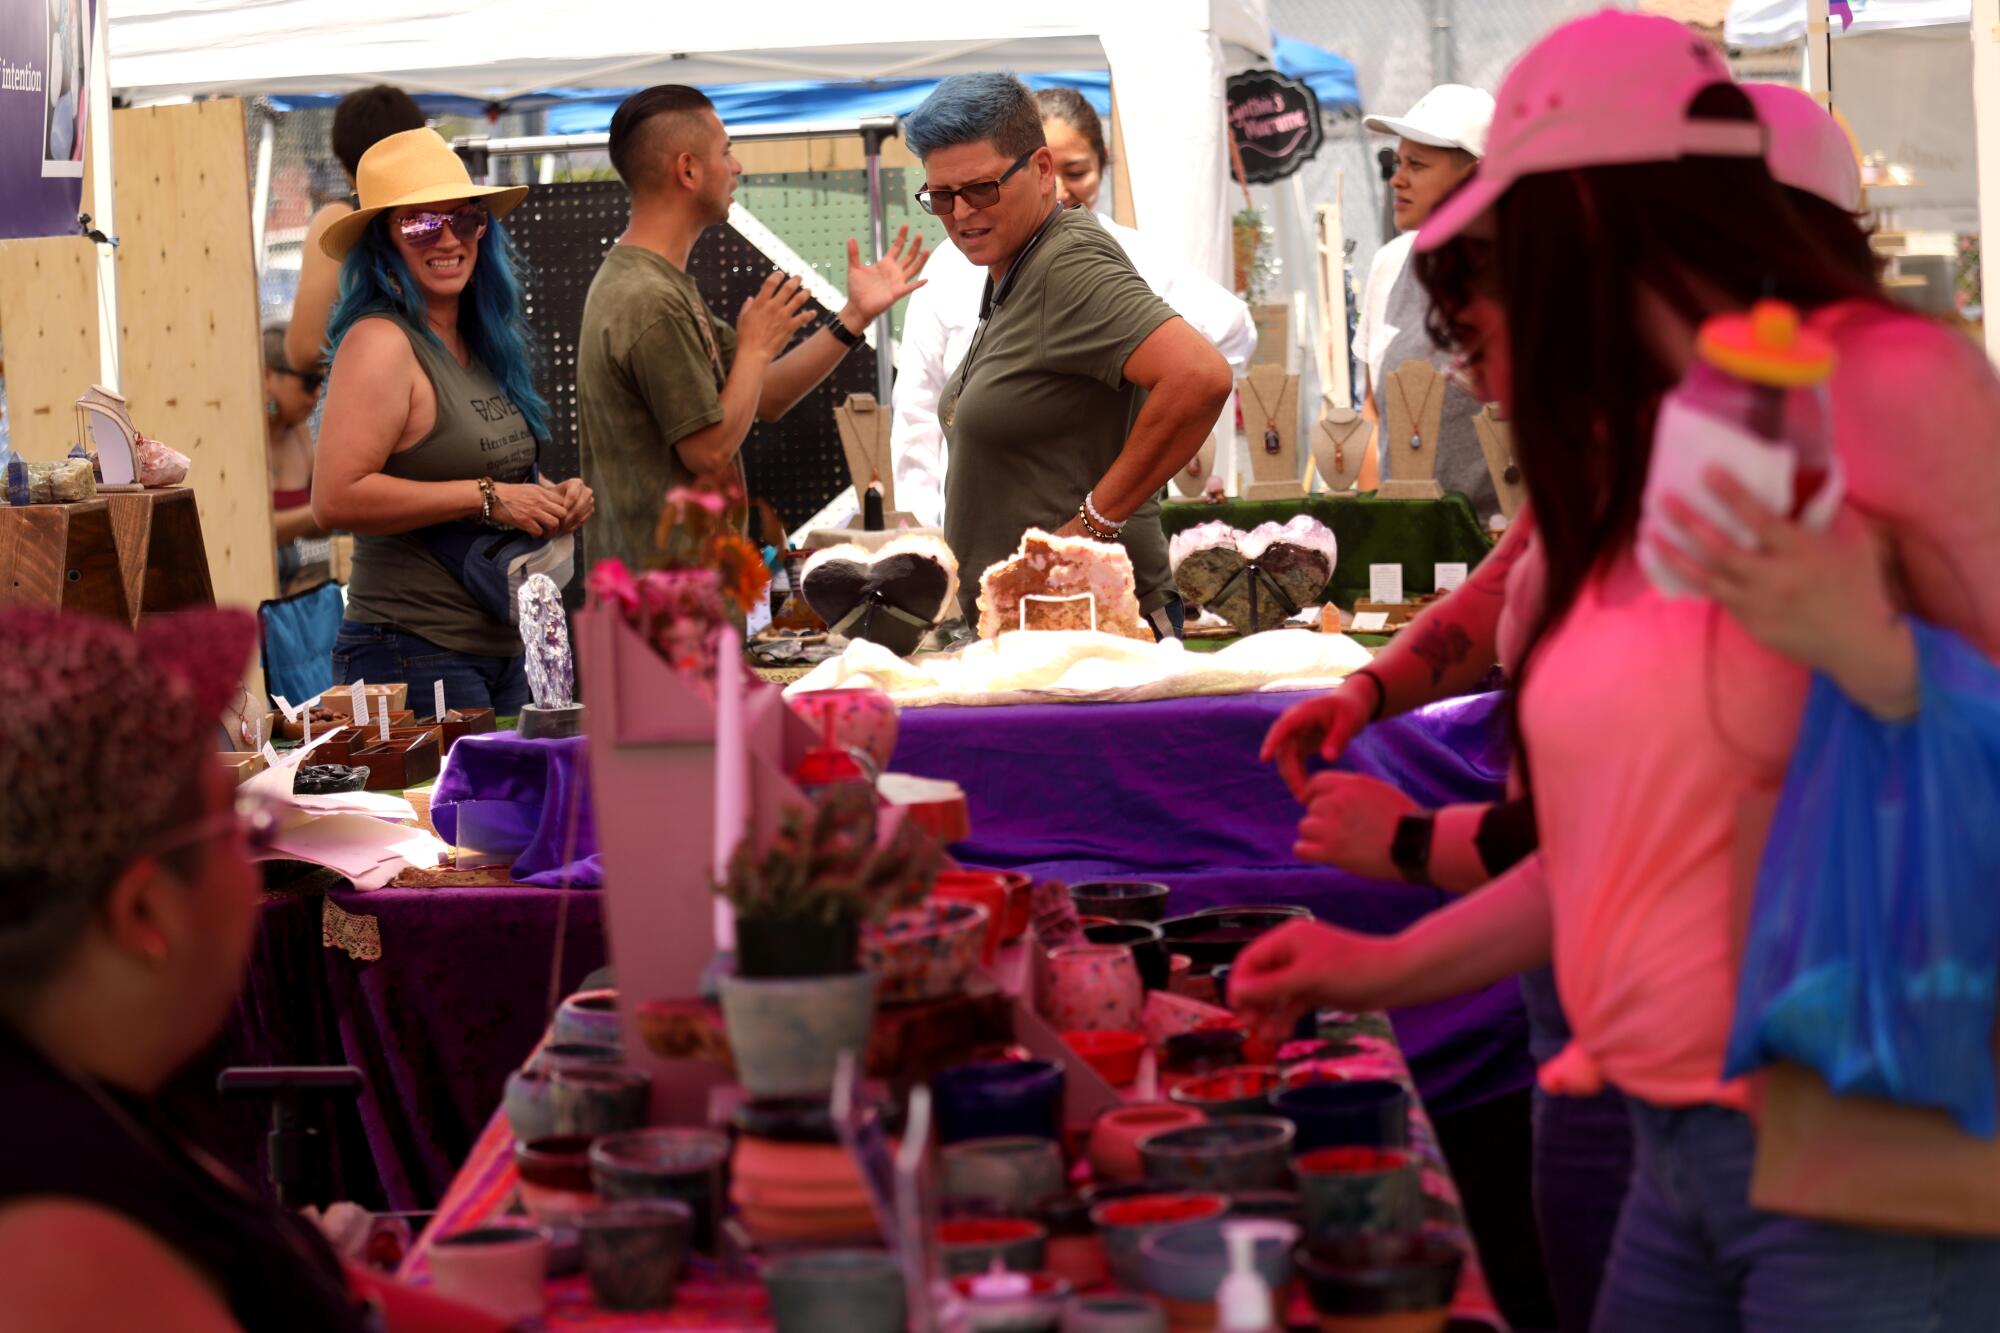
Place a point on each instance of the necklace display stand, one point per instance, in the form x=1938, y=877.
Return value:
x=1192, y=486
x=1339, y=443
x=864, y=426
x=1414, y=398
x=1270, y=400
x=1496, y=441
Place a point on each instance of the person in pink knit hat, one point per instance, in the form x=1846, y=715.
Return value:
x=1626, y=196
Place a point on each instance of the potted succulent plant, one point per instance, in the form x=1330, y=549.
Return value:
x=799, y=995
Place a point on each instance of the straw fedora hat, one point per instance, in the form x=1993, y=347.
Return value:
x=413, y=167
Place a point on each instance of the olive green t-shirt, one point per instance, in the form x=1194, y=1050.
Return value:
x=650, y=364
x=1040, y=407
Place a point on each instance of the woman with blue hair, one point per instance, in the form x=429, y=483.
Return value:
x=432, y=419
x=1081, y=392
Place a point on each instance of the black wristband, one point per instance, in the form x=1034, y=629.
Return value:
x=1507, y=834
x=841, y=331
x=1410, y=850
x=1381, y=693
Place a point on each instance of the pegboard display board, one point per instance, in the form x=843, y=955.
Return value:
x=564, y=231
x=815, y=212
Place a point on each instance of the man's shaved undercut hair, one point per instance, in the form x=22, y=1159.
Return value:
x=651, y=127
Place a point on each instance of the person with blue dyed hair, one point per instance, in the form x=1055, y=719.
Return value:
x=432, y=419
x=1081, y=391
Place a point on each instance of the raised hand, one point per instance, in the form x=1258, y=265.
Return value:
x=1304, y=965
x=1324, y=724
x=873, y=288
x=1351, y=822
x=765, y=326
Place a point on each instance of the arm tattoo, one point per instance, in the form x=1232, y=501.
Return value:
x=1441, y=646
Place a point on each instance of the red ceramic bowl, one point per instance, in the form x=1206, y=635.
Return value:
x=986, y=1230
x=1242, y=1090
x=1158, y=1210
x=987, y=888
x=1112, y=1054
x=1315, y=1071
x=1019, y=882
x=1351, y=1161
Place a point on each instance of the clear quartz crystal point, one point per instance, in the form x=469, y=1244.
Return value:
x=545, y=636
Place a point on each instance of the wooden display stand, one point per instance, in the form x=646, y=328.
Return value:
x=1339, y=444
x=64, y=558
x=1496, y=441
x=160, y=550
x=1194, y=486
x=1413, y=398
x=1274, y=334
x=1271, y=397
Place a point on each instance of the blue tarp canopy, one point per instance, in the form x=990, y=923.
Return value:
x=588, y=111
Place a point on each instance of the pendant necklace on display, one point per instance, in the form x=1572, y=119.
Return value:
x=1416, y=420
x=1271, y=442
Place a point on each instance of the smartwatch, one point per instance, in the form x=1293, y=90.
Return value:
x=841, y=331
x=1410, y=849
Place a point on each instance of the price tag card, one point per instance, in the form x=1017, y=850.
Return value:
x=382, y=714
x=1449, y=576
x=1367, y=621
x=437, y=700
x=1385, y=583
x=358, y=692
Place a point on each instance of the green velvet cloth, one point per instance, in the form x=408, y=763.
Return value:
x=1418, y=534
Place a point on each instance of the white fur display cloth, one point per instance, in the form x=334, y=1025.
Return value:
x=1090, y=667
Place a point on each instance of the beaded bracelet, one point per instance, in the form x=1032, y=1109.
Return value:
x=1083, y=513
x=486, y=499
x=1097, y=519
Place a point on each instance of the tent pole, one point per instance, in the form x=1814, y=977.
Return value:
x=1986, y=120
x=97, y=152
x=874, y=130
x=260, y=192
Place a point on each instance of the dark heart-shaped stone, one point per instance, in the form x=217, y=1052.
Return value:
x=1286, y=578
x=911, y=582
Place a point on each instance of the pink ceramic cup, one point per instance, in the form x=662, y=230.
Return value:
x=854, y=719
x=1093, y=988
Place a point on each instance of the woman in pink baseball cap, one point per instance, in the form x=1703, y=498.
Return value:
x=1621, y=202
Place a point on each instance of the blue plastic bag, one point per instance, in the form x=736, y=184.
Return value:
x=1875, y=936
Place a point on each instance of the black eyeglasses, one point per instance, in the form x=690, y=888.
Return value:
x=309, y=380
x=979, y=194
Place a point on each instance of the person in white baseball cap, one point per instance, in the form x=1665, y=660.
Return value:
x=1625, y=197
x=1439, y=142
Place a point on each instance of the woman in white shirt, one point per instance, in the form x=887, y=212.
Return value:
x=1439, y=143
x=942, y=315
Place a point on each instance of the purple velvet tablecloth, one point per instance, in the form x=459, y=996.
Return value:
x=1173, y=791
x=1169, y=790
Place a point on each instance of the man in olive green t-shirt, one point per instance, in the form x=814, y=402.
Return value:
x=666, y=391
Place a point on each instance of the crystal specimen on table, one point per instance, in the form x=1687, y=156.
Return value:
x=1075, y=583
x=545, y=637
x=1255, y=580
x=890, y=596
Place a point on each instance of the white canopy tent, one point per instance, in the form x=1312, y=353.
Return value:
x=1167, y=59
x=1919, y=80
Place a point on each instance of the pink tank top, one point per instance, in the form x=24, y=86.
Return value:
x=1649, y=721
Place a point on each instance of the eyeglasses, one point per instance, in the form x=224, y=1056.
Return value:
x=257, y=817
x=423, y=230
x=309, y=380
x=979, y=194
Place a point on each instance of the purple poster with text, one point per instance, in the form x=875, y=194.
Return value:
x=44, y=61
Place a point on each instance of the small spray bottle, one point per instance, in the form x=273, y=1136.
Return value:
x=1243, y=1303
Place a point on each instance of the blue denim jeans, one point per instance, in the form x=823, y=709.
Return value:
x=1693, y=1256
x=384, y=654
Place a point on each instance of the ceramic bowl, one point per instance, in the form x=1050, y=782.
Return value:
x=865, y=1286
x=553, y=1176
x=997, y=1099
x=501, y=1270
x=1369, y=1113
x=1359, y=1284
x=1121, y=899
x=1202, y=1051
x=1091, y=987
x=798, y=1189
x=1238, y=1090
x=1223, y=1156
x=573, y=1055
x=635, y=1252
x=786, y=1033
x=1214, y=937
x=1149, y=951
x=1115, y=1055
x=1011, y=1173
x=851, y=719
x=661, y=1163
x=683, y=1030
x=527, y=1100
x=923, y=953
x=1185, y=1264
x=1019, y=883
x=1117, y=1312
x=598, y=1099
x=1011, y=1302
x=1075, y=1253
x=1276, y=1205
x=1115, y=1135
x=1125, y=1223
x=1352, y=1190
x=975, y=1244
x=589, y=1018
x=989, y=889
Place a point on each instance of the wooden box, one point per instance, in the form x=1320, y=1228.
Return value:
x=241, y=764
x=339, y=700
x=406, y=759
x=464, y=722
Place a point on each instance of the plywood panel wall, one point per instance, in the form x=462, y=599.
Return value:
x=48, y=314
x=192, y=358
